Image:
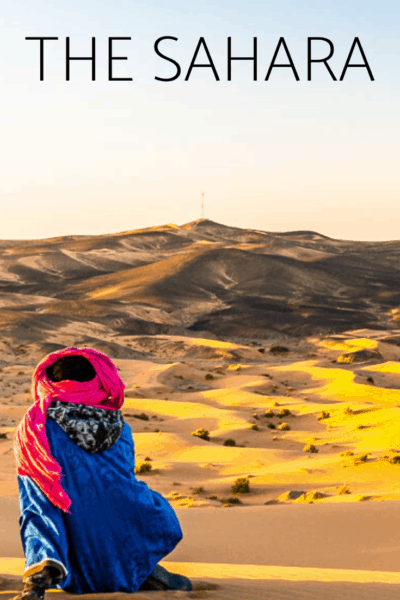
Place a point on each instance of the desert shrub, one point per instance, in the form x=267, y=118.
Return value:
x=275, y=404
x=344, y=490
x=261, y=350
x=209, y=376
x=148, y=459
x=394, y=460
x=363, y=457
x=231, y=500
x=271, y=426
x=255, y=416
x=310, y=448
x=360, y=458
x=348, y=411
x=324, y=415
x=284, y=427
x=361, y=426
x=310, y=497
x=3, y=436
x=254, y=427
x=198, y=490
x=143, y=467
x=269, y=414
x=284, y=412
x=142, y=416
x=213, y=497
x=279, y=350
x=229, y=442
x=241, y=486
x=201, y=433
x=370, y=380
x=347, y=453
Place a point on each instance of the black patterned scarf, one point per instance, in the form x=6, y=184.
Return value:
x=94, y=429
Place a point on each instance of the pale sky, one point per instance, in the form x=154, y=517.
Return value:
x=83, y=157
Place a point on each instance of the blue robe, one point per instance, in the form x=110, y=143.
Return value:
x=118, y=528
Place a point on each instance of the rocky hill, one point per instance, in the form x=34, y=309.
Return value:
x=201, y=277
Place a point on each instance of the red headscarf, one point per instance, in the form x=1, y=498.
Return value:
x=32, y=448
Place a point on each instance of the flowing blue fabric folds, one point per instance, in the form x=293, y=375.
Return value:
x=118, y=528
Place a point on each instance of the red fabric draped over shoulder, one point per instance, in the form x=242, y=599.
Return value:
x=31, y=446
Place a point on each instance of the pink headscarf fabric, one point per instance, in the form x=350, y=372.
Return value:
x=32, y=449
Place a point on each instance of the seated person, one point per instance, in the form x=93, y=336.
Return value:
x=87, y=524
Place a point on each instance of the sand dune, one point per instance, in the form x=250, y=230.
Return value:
x=220, y=329
x=202, y=276
x=315, y=552
x=313, y=523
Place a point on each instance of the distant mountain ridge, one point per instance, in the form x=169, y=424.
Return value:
x=204, y=277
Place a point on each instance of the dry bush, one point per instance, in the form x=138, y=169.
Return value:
x=241, y=486
x=360, y=458
x=284, y=412
x=142, y=417
x=143, y=467
x=394, y=459
x=231, y=500
x=229, y=442
x=324, y=415
x=279, y=350
x=202, y=433
x=284, y=427
x=310, y=448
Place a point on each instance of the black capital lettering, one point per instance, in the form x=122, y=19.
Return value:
x=178, y=68
x=210, y=63
x=290, y=65
x=231, y=58
x=92, y=58
x=364, y=65
x=319, y=60
x=111, y=58
x=42, y=40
